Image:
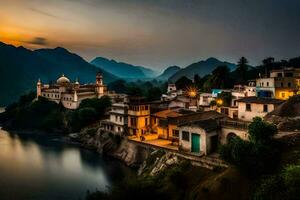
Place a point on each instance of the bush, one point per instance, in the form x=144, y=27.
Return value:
x=256, y=156
x=284, y=185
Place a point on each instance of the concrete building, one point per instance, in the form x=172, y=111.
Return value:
x=199, y=136
x=250, y=107
x=118, y=119
x=280, y=84
x=172, y=93
x=138, y=116
x=71, y=94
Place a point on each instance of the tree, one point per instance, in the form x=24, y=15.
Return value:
x=242, y=68
x=183, y=83
x=226, y=98
x=118, y=86
x=261, y=131
x=256, y=156
x=154, y=93
x=220, y=78
x=268, y=64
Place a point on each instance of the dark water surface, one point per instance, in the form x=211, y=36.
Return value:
x=39, y=166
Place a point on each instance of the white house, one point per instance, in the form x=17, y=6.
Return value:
x=199, y=137
x=118, y=119
x=250, y=107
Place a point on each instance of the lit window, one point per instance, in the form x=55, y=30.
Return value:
x=175, y=133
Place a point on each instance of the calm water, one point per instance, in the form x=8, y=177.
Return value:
x=47, y=167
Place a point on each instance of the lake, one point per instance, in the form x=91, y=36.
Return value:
x=46, y=166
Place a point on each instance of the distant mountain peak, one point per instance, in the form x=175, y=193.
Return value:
x=212, y=59
x=122, y=69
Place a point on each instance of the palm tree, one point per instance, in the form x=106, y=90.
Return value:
x=268, y=64
x=242, y=68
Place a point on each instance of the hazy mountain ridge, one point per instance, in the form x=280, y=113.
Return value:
x=123, y=70
x=201, y=68
x=168, y=72
x=20, y=68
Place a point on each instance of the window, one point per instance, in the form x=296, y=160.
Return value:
x=289, y=84
x=146, y=121
x=133, y=121
x=279, y=74
x=265, y=108
x=267, y=83
x=146, y=107
x=248, y=107
x=281, y=84
x=282, y=94
x=185, y=136
x=175, y=133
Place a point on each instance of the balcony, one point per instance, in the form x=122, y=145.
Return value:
x=138, y=113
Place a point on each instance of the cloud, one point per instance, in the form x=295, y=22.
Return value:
x=38, y=41
x=44, y=13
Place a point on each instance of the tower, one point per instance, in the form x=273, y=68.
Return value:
x=100, y=87
x=99, y=78
x=39, y=88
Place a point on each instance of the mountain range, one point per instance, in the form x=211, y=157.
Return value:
x=123, y=70
x=20, y=68
x=201, y=68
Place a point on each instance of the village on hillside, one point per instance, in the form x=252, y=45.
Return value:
x=186, y=121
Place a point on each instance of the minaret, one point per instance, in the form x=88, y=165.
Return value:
x=76, y=87
x=39, y=88
x=99, y=85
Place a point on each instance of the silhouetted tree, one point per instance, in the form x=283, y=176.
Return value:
x=242, y=68
x=183, y=83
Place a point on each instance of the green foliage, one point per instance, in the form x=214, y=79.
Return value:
x=226, y=98
x=183, y=83
x=46, y=115
x=154, y=93
x=220, y=78
x=284, y=185
x=261, y=131
x=169, y=184
x=242, y=68
x=254, y=157
x=89, y=111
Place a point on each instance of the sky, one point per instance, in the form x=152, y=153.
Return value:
x=156, y=33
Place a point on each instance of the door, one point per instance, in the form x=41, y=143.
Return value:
x=214, y=143
x=195, y=143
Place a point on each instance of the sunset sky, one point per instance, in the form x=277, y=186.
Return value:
x=156, y=33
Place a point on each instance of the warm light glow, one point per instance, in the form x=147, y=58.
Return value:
x=219, y=102
x=192, y=91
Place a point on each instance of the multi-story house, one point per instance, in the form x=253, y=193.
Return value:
x=280, y=84
x=138, y=116
x=118, y=119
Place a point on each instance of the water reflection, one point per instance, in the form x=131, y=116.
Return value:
x=37, y=166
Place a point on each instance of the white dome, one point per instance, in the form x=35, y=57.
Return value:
x=62, y=80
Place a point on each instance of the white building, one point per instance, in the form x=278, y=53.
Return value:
x=250, y=107
x=281, y=84
x=172, y=93
x=71, y=94
x=199, y=136
x=118, y=119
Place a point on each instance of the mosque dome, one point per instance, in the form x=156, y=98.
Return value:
x=62, y=80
